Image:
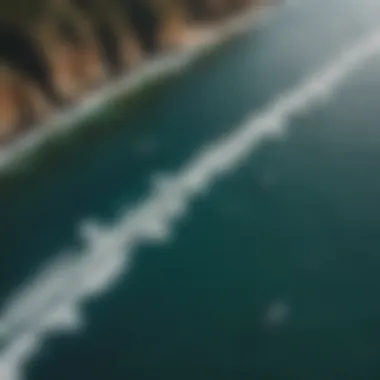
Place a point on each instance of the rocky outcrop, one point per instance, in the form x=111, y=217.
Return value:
x=54, y=52
x=21, y=103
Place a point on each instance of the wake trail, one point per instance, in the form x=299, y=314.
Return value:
x=52, y=300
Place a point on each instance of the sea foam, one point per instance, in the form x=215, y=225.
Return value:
x=52, y=300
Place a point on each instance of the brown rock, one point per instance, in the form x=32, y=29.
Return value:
x=9, y=113
x=21, y=103
x=172, y=29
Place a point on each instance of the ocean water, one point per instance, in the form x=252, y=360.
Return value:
x=228, y=227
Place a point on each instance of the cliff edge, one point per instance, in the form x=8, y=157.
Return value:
x=55, y=52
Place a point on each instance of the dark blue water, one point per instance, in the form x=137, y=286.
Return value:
x=273, y=274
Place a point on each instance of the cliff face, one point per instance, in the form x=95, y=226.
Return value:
x=53, y=52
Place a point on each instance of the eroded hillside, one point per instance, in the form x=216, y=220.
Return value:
x=54, y=52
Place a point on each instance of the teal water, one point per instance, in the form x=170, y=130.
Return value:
x=273, y=272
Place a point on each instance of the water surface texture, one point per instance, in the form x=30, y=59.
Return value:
x=227, y=229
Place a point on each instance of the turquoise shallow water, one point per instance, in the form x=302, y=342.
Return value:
x=273, y=273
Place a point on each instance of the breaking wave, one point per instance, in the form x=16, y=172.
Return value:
x=52, y=300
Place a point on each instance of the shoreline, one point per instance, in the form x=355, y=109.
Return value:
x=67, y=121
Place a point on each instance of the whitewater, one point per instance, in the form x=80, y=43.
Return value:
x=69, y=120
x=52, y=300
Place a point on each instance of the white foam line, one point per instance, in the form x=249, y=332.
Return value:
x=52, y=300
x=30, y=142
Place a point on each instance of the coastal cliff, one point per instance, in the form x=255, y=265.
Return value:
x=55, y=52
